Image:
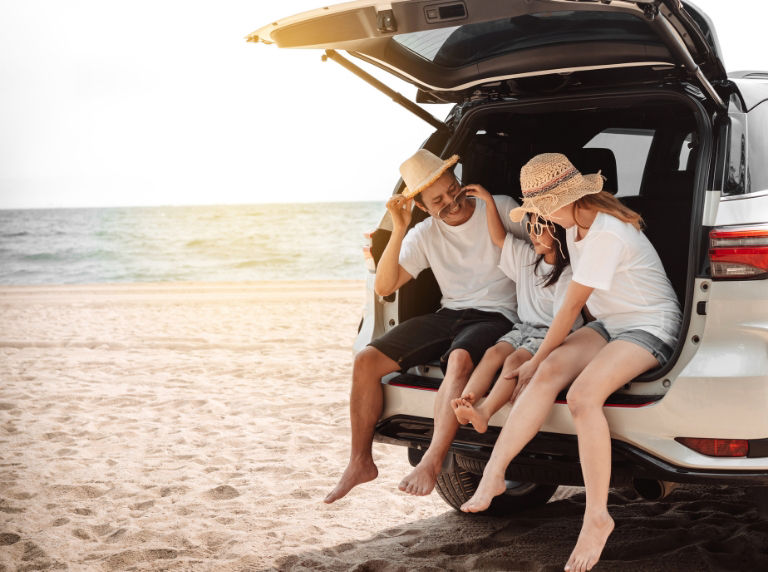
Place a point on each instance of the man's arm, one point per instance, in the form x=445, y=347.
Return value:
x=495, y=226
x=389, y=274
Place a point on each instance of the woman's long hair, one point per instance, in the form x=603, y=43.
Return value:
x=605, y=202
x=562, y=257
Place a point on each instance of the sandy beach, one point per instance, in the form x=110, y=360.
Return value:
x=198, y=427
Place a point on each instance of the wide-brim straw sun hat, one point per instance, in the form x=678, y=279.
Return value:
x=549, y=182
x=422, y=169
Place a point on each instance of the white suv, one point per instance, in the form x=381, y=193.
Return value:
x=638, y=91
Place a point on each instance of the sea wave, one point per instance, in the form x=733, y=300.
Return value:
x=201, y=243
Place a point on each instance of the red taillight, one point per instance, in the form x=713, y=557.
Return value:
x=716, y=447
x=739, y=253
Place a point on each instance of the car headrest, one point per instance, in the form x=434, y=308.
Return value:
x=494, y=162
x=590, y=160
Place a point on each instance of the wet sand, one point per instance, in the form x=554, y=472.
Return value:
x=199, y=426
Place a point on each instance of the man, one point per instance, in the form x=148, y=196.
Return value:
x=478, y=307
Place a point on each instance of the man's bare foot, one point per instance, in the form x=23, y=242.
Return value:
x=464, y=400
x=473, y=415
x=421, y=480
x=489, y=487
x=355, y=474
x=594, y=533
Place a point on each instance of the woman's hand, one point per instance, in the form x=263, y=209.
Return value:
x=524, y=373
x=400, y=209
x=479, y=192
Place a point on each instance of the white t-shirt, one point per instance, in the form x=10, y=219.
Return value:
x=632, y=290
x=464, y=260
x=536, y=304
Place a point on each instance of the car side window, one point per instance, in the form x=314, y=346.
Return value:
x=736, y=173
x=685, y=153
x=757, y=178
x=630, y=148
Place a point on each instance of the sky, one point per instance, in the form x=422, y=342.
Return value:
x=163, y=102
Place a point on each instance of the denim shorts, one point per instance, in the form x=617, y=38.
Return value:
x=425, y=338
x=525, y=336
x=659, y=349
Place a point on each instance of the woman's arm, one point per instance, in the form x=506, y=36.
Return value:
x=495, y=227
x=575, y=299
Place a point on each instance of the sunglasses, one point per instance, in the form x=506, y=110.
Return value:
x=536, y=227
x=460, y=197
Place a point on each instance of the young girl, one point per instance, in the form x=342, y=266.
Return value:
x=617, y=271
x=541, y=272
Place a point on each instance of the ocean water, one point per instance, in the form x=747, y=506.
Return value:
x=190, y=243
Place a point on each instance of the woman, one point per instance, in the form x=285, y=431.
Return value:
x=638, y=318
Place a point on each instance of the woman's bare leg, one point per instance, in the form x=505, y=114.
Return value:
x=616, y=364
x=482, y=377
x=502, y=390
x=531, y=409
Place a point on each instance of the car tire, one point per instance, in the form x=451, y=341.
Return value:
x=456, y=485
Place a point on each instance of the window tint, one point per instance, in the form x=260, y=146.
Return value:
x=630, y=148
x=758, y=148
x=736, y=175
x=462, y=45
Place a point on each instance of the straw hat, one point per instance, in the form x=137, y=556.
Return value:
x=550, y=181
x=422, y=169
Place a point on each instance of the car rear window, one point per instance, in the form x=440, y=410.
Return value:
x=463, y=45
x=630, y=148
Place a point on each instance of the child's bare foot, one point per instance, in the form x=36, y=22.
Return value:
x=457, y=404
x=488, y=488
x=473, y=415
x=592, y=538
x=355, y=474
x=463, y=401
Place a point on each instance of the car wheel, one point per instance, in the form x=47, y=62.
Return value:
x=456, y=485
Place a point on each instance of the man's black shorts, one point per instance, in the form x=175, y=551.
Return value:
x=425, y=338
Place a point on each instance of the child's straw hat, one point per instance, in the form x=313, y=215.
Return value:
x=550, y=181
x=422, y=169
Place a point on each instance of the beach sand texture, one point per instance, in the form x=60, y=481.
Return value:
x=199, y=426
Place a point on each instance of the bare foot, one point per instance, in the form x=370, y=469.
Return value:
x=355, y=474
x=456, y=404
x=477, y=417
x=594, y=533
x=489, y=487
x=464, y=400
x=421, y=480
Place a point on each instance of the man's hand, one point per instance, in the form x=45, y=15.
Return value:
x=479, y=192
x=400, y=209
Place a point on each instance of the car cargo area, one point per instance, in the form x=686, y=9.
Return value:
x=647, y=146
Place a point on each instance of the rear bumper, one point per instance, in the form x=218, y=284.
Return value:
x=552, y=458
